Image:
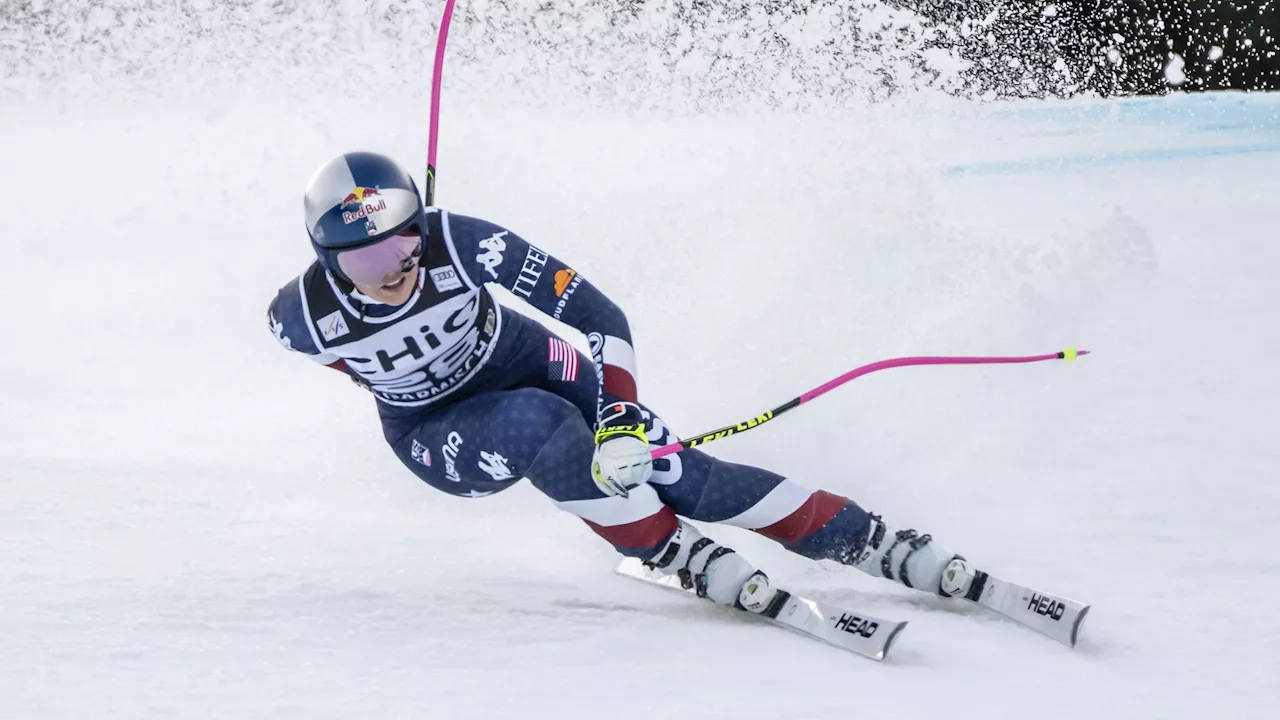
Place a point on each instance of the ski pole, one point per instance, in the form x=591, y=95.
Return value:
x=1069, y=355
x=436, y=75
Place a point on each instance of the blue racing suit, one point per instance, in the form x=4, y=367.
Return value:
x=474, y=396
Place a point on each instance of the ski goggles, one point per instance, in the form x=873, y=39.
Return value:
x=371, y=264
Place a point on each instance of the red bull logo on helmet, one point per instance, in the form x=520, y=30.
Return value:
x=361, y=198
x=357, y=196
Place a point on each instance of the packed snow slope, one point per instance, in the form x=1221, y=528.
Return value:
x=196, y=523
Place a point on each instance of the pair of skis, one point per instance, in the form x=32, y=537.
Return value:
x=871, y=636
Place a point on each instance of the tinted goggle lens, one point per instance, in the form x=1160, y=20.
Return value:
x=371, y=264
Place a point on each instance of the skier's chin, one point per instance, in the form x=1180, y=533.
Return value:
x=396, y=292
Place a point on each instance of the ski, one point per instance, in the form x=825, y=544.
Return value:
x=846, y=629
x=1050, y=615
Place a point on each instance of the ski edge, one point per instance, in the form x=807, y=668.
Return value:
x=1075, y=629
x=893, y=637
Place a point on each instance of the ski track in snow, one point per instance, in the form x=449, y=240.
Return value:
x=197, y=524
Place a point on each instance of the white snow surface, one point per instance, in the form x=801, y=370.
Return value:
x=196, y=523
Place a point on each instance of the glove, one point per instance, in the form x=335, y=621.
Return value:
x=622, y=460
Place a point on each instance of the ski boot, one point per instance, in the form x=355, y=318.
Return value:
x=714, y=571
x=913, y=559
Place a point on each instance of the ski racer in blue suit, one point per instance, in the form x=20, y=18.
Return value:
x=473, y=396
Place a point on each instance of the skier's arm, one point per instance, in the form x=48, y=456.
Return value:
x=490, y=253
x=288, y=324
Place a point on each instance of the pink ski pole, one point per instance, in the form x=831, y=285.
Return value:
x=1069, y=354
x=436, y=76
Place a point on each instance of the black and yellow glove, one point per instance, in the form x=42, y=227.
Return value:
x=622, y=460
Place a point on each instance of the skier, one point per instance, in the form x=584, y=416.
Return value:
x=473, y=396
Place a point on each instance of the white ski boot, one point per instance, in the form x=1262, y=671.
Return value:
x=914, y=560
x=712, y=570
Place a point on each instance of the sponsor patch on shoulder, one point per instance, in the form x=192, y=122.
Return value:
x=445, y=278
x=493, y=248
x=333, y=325
x=277, y=327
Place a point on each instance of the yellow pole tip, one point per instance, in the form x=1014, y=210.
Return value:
x=1070, y=354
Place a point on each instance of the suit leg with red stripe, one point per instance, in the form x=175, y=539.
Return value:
x=816, y=524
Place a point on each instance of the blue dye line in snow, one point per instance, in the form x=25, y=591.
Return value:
x=1102, y=160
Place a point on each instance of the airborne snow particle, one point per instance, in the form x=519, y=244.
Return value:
x=1215, y=52
x=1173, y=72
x=1050, y=11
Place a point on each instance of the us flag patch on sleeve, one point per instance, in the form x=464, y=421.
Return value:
x=562, y=360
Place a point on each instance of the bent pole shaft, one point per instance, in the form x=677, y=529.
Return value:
x=751, y=423
x=437, y=74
